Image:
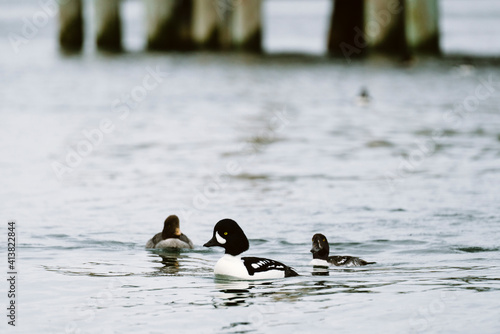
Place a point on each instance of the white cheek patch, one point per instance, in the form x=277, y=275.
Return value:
x=220, y=239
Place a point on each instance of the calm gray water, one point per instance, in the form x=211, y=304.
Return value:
x=279, y=144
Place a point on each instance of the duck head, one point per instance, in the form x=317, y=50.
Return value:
x=320, y=248
x=171, y=228
x=229, y=235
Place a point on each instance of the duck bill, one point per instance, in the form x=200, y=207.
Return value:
x=211, y=243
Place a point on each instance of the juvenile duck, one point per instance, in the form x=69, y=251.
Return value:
x=321, y=249
x=171, y=236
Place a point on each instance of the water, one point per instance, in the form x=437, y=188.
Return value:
x=279, y=144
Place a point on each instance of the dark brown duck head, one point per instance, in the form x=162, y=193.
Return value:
x=171, y=228
x=320, y=248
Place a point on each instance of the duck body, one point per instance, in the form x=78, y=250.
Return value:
x=251, y=268
x=340, y=260
x=228, y=235
x=178, y=242
x=321, y=249
x=170, y=237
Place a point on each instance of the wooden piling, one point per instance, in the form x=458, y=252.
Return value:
x=169, y=24
x=385, y=26
x=206, y=24
x=70, y=25
x=108, y=25
x=246, y=25
x=422, y=25
x=159, y=21
x=346, y=37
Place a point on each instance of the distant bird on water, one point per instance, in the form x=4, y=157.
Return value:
x=171, y=236
x=363, y=98
x=321, y=249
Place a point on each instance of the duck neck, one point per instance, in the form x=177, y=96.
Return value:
x=321, y=254
x=230, y=256
x=171, y=232
x=232, y=253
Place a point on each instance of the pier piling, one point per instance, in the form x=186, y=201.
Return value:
x=422, y=25
x=346, y=36
x=169, y=24
x=385, y=26
x=397, y=27
x=70, y=25
x=108, y=25
x=246, y=25
x=206, y=26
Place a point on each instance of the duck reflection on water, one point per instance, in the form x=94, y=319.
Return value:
x=169, y=259
x=233, y=293
x=320, y=271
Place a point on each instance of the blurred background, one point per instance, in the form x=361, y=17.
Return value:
x=292, y=26
x=393, y=155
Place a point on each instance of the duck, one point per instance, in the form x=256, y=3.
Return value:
x=320, y=250
x=363, y=99
x=229, y=235
x=171, y=236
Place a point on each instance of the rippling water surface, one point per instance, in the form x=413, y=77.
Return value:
x=283, y=146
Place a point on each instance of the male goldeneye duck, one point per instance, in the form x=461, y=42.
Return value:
x=171, y=236
x=321, y=249
x=229, y=235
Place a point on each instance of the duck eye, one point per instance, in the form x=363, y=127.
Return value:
x=225, y=233
x=324, y=239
